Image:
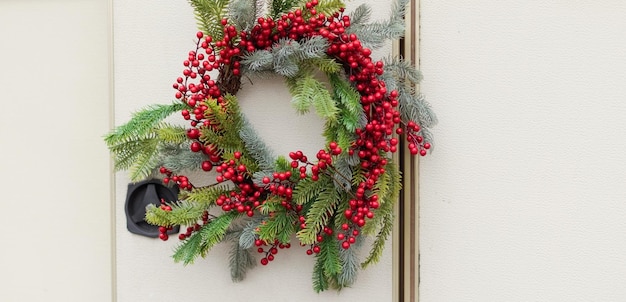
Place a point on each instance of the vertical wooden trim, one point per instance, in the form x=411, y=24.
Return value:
x=111, y=79
x=407, y=220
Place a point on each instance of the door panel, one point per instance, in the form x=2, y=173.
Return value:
x=55, y=183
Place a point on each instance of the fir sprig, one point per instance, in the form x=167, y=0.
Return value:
x=374, y=35
x=209, y=14
x=199, y=243
x=277, y=7
x=182, y=213
x=240, y=261
x=319, y=214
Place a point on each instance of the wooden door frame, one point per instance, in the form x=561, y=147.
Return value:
x=406, y=230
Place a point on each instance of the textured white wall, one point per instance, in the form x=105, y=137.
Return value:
x=152, y=39
x=55, y=170
x=524, y=196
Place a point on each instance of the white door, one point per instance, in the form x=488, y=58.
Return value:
x=55, y=170
x=523, y=198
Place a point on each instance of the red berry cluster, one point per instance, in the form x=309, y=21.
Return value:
x=164, y=229
x=181, y=181
x=196, y=227
x=270, y=251
x=249, y=195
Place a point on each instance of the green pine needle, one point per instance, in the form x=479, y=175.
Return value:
x=379, y=243
x=202, y=241
x=182, y=213
x=329, y=253
x=172, y=134
x=278, y=227
x=209, y=14
x=142, y=123
x=205, y=196
x=319, y=214
x=307, y=190
x=278, y=7
x=320, y=281
x=329, y=7
x=240, y=261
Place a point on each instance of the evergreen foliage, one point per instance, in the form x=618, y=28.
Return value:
x=385, y=215
x=182, y=213
x=261, y=199
x=134, y=144
x=248, y=233
x=320, y=280
x=319, y=214
x=255, y=146
x=277, y=7
x=279, y=226
x=171, y=134
x=178, y=158
x=349, y=265
x=243, y=13
x=240, y=257
x=388, y=192
x=205, y=196
x=374, y=35
x=202, y=241
x=209, y=14
x=240, y=261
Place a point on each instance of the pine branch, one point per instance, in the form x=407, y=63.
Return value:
x=379, y=243
x=349, y=265
x=307, y=92
x=282, y=164
x=240, y=261
x=205, y=196
x=334, y=132
x=388, y=190
x=342, y=175
x=403, y=70
x=374, y=35
x=171, y=134
x=209, y=14
x=361, y=15
x=280, y=226
x=182, y=213
x=178, y=157
x=278, y=7
x=202, y=241
x=243, y=13
x=320, y=282
x=329, y=253
x=189, y=249
x=385, y=211
x=145, y=161
x=248, y=233
x=349, y=100
x=319, y=215
x=325, y=65
x=255, y=146
x=142, y=123
x=259, y=60
x=307, y=190
x=311, y=48
x=271, y=204
x=329, y=7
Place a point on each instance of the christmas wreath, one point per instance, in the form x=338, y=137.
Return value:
x=259, y=202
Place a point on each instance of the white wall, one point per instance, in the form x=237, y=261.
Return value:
x=152, y=39
x=524, y=196
x=55, y=169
